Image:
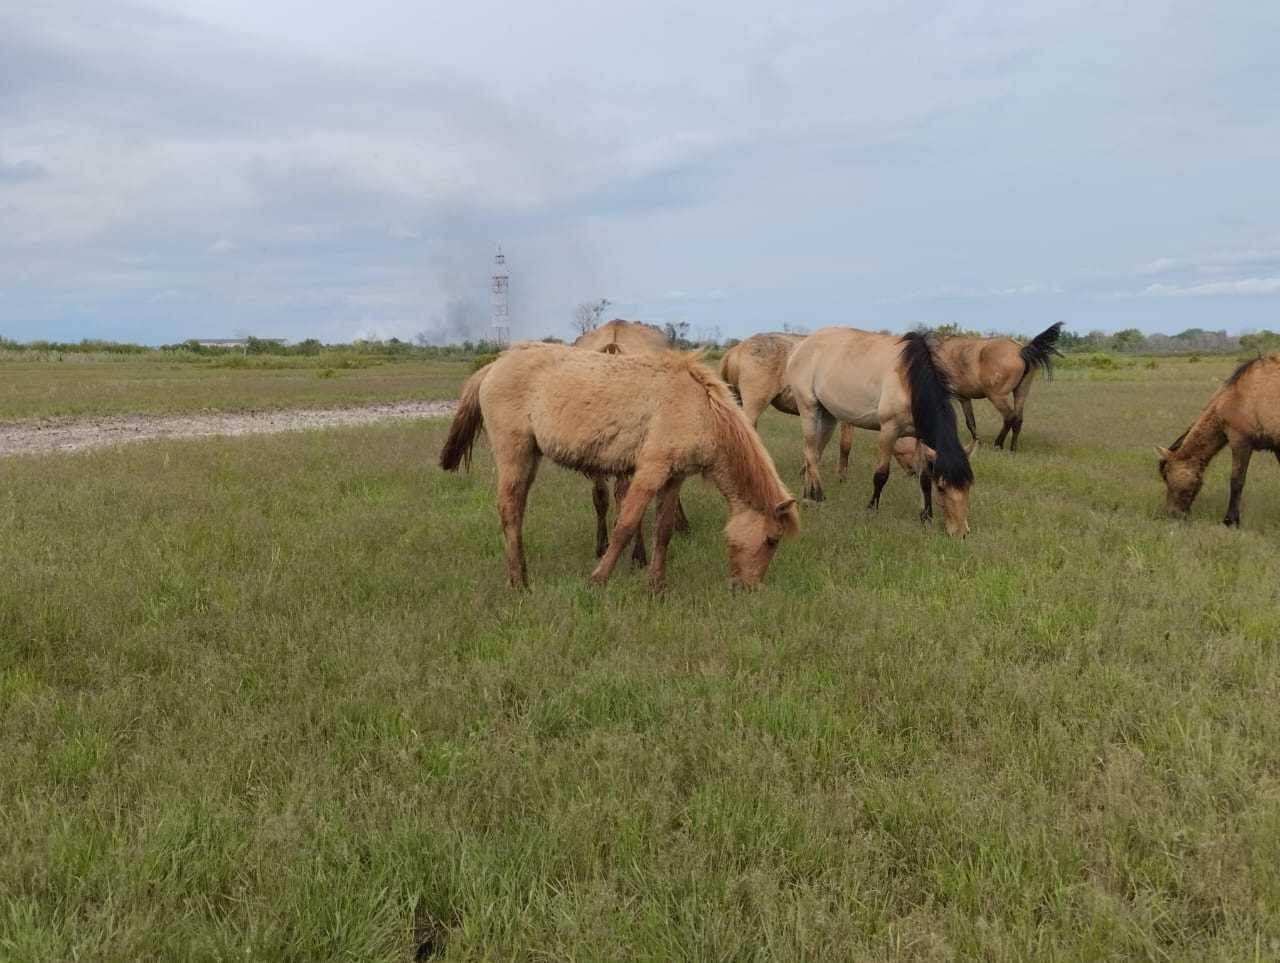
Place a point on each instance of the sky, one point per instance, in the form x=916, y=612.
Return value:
x=303, y=168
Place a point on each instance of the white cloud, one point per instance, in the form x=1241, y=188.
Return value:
x=1241, y=287
x=1161, y=265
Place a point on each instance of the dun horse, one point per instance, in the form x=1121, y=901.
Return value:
x=887, y=383
x=657, y=417
x=1000, y=370
x=1244, y=414
x=622, y=337
x=756, y=369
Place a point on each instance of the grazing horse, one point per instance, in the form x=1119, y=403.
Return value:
x=1245, y=414
x=995, y=369
x=887, y=383
x=756, y=370
x=623, y=337
x=657, y=417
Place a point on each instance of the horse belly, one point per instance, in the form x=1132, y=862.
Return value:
x=587, y=442
x=859, y=408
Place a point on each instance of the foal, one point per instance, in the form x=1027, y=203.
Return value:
x=658, y=417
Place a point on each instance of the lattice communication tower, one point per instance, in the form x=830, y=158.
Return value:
x=499, y=313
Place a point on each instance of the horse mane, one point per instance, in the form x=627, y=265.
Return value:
x=1240, y=370
x=931, y=411
x=745, y=456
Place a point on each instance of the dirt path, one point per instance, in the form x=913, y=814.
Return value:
x=43, y=436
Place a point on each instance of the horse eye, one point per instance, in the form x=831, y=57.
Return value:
x=772, y=541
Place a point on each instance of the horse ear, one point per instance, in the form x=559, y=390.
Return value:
x=1164, y=453
x=973, y=446
x=783, y=506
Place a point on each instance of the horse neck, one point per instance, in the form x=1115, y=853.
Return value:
x=735, y=473
x=1204, y=439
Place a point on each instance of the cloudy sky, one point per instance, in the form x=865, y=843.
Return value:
x=303, y=168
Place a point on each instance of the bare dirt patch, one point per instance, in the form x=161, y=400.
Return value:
x=43, y=436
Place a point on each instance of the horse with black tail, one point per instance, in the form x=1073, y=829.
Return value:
x=1000, y=370
x=890, y=384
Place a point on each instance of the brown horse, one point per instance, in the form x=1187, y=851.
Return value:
x=1245, y=414
x=1000, y=370
x=623, y=337
x=756, y=370
x=891, y=384
x=658, y=417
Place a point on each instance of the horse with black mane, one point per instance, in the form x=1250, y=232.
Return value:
x=1000, y=370
x=891, y=384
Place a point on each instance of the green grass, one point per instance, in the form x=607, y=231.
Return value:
x=82, y=386
x=271, y=699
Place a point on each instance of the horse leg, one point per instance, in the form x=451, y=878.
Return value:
x=966, y=405
x=630, y=514
x=818, y=425
x=664, y=523
x=1241, y=453
x=682, y=520
x=1019, y=405
x=620, y=487
x=600, y=496
x=1006, y=412
x=515, y=475
x=846, y=446
x=926, y=495
x=753, y=404
x=884, y=457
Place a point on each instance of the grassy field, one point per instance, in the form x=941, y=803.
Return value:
x=271, y=699
x=128, y=385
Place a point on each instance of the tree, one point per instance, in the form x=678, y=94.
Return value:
x=587, y=315
x=789, y=328
x=1130, y=339
x=677, y=334
x=1260, y=342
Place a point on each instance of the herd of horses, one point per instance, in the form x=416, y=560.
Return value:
x=620, y=405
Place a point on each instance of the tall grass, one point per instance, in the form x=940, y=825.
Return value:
x=270, y=698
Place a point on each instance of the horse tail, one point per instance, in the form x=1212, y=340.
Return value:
x=467, y=421
x=729, y=372
x=1039, y=353
x=931, y=411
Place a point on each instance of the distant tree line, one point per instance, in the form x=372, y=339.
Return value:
x=1133, y=341
x=679, y=334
